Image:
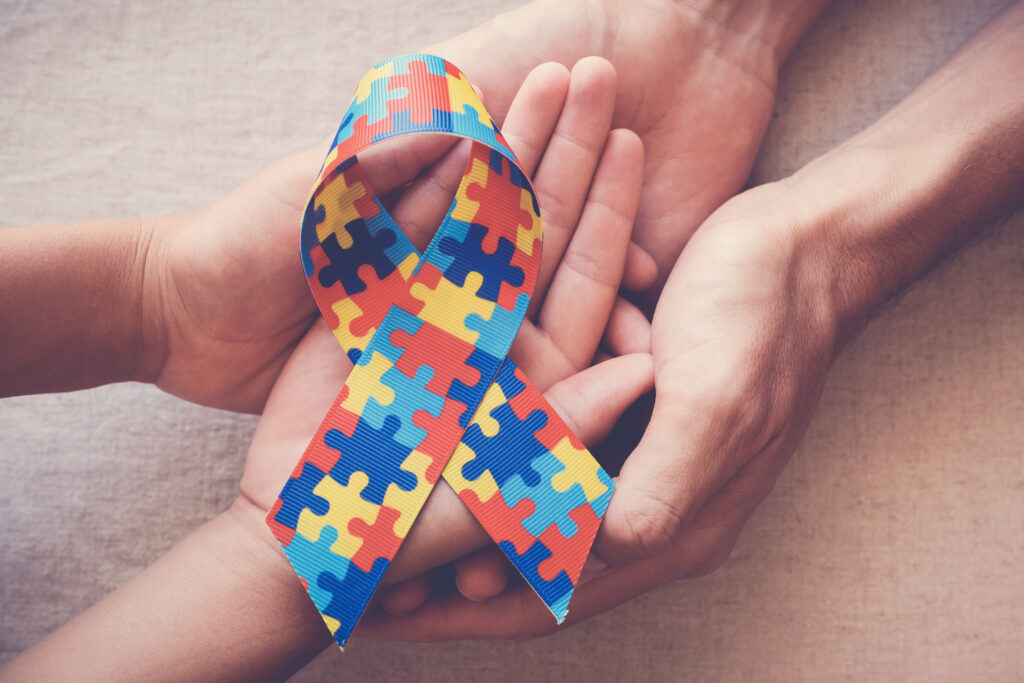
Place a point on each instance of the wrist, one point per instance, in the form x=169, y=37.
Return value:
x=879, y=216
x=896, y=199
x=74, y=305
x=749, y=24
x=152, y=285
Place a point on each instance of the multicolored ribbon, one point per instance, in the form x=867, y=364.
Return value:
x=432, y=392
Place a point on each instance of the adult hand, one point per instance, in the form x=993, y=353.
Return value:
x=699, y=92
x=696, y=83
x=761, y=300
x=742, y=339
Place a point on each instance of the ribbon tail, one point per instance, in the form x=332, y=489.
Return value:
x=532, y=485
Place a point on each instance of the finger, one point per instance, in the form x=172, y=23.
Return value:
x=641, y=269
x=575, y=311
x=534, y=112
x=392, y=163
x=424, y=204
x=707, y=423
x=565, y=171
x=448, y=531
x=591, y=401
x=407, y=596
x=483, y=574
x=628, y=330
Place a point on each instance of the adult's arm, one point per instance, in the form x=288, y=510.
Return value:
x=764, y=296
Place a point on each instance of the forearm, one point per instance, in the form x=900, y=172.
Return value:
x=937, y=170
x=212, y=609
x=72, y=313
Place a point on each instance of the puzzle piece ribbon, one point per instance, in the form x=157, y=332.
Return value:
x=432, y=392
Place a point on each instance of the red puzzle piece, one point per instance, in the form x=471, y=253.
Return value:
x=569, y=553
x=443, y=433
x=423, y=348
x=379, y=539
x=502, y=522
x=431, y=93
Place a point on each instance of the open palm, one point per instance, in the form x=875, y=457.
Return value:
x=595, y=176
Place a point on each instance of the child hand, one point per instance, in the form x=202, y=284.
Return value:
x=225, y=287
x=587, y=181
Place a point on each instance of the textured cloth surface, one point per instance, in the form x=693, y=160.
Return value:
x=891, y=546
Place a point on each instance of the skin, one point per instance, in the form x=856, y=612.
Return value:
x=739, y=359
x=764, y=296
x=223, y=562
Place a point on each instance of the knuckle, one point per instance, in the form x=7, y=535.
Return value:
x=652, y=525
x=590, y=267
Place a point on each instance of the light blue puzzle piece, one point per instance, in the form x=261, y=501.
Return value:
x=408, y=434
x=496, y=334
x=550, y=506
x=434, y=64
x=449, y=227
x=310, y=559
x=600, y=504
x=411, y=394
x=467, y=122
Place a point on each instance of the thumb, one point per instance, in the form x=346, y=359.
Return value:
x=693, y=445
x=592, y=400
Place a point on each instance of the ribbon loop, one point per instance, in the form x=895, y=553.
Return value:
x=432, y=392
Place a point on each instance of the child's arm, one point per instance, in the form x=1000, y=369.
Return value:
x=221, y=605
x=72, y=310
x=207, y=305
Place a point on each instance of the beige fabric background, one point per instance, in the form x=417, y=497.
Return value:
x=891, y=548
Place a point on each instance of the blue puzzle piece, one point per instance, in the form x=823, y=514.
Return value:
x=374, y=451
x=555, y=593
x=457, y=230
x=507, y=380
x=550, y=506
x=313, y=216
x=366, y=249
x=350, y=595
x=472, y=395
x=497, y=333
x=311, y=559
x=382, y=222
x=508, y=453
x=468, y=256
x=298, y=495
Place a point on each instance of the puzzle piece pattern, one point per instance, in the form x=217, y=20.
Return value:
x=428, y=337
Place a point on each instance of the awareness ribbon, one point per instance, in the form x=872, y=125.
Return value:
x=432, y=392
